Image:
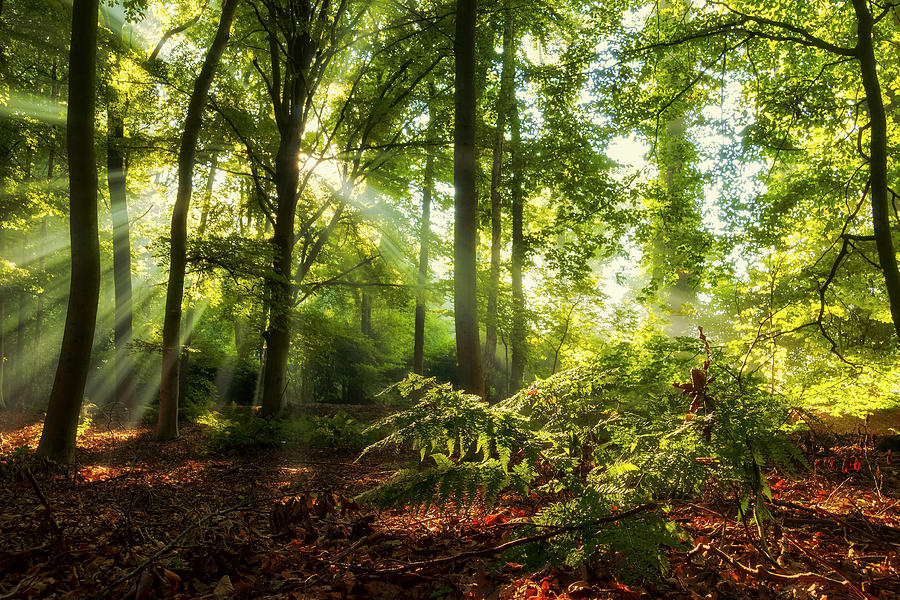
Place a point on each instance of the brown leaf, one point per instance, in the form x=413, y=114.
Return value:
x=173, y=578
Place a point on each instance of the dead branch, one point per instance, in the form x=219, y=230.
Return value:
x=43, y=500
x=424, y=564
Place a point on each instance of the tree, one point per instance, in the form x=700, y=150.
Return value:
x=302, y=39
x=465, y=231
x=504, y=99
x=761, y=26
x=878, y=156
x=167, y=423
x=58, y=436
x=675, y=244
x=424, y=235
x=519, y=331
x=118, y=205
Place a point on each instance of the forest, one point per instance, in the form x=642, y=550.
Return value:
x=496, y=299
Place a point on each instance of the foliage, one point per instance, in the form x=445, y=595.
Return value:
x=86, y=419
x=611, y=433
x=237, y=430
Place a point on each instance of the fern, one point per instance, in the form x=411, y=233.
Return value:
x=461, y=483
x=455, y=423
x=612, y=433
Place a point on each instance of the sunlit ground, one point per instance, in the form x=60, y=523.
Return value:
x=276, y=522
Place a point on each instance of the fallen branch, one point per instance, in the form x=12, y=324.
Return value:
x=43, y=499
x=857, y=591
x=502, y=547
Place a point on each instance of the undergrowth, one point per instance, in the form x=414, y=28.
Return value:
x=611, y=434
x=235, y=430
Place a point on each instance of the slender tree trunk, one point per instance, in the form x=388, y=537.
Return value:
x=424, y=235
x=562, y=339
x=118, y=204
x=2, y=329
x=23, y=375
x=507, y=76
x=167, y=424
x=519, y=334
x=189, y=317
x=878, y=183
x=290, y=97
x=207, y=196
x=365, y=313
x=58, y=436
x=465, y=233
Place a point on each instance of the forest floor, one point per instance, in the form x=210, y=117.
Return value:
x=138, y=519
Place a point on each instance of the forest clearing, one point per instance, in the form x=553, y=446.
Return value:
x=500, y=299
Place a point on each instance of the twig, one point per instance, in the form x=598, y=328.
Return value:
x=834, y=519
x=858, y=591
x=505, y=546
x=43, y=500
x=367, y=540
x=759, y=572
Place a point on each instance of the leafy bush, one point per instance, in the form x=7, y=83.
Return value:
x=236, y=430
x=340, y=432
x=611, y=433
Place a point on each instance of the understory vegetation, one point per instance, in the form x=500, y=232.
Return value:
x=592, y=440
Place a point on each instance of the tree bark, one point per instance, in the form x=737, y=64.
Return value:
x=465, y=233
x=167, y=423
x=278, y=340
x=519, y=334
x=58, y=436
x=507, y=76
x=118, y=204
x=878, y=184
x=424, y=235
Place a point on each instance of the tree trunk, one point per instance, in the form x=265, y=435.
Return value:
x=207, y=197
x=2, y=329
x=23, y=375
x=881, y=225
x=167, y=424
x=507, y=76
x=290, y=94
x=365, y=313
x=519, y=334
x=118, y=205
x=465, y=233
x=424, y=234
x=278, y=340
x=58, y=436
